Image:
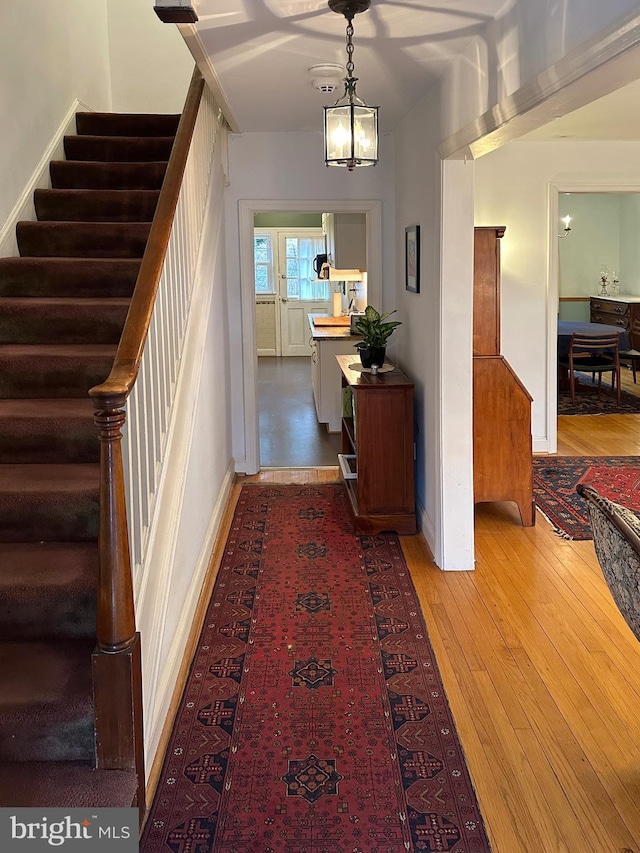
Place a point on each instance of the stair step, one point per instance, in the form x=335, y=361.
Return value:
x=79, y=175
x=95, y=205
x=130, y=149
x=69, y=370
x=82, y=239
x=50, y=431
x=59, y=502
x=46, y=709
x=65, y=785
x=73, y=277
x=126, y=124
x=47, y=320
x=48, y=590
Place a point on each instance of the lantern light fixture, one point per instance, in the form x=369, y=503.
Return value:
x=350, y=125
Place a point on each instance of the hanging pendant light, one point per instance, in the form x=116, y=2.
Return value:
x=350, y=126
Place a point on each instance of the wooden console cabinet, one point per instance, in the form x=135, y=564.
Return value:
x=623, y=312
x=377, y=449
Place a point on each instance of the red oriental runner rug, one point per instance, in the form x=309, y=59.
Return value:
x=554, y=488
x=314, y=719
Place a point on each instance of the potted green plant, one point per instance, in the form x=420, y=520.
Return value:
x=375, y=331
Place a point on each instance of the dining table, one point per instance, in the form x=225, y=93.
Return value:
x=567, y=327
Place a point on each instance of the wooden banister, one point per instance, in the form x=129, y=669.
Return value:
x=117, y=677
x=113, y=392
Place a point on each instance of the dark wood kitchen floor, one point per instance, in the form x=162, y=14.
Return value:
x=290, y=435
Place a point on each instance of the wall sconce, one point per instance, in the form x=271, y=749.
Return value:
x=350, y=126
x=567, y=227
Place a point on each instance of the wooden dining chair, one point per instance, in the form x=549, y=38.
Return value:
x=594, y=354
x=631, y=357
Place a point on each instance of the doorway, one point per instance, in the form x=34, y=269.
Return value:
x=287, y=288
x=605, y=218
x=247, y=212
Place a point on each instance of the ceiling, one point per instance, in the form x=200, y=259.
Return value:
x=614, y=117
x=261, y=51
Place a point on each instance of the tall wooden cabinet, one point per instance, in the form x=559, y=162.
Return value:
x=377, y=449
x=502, y=455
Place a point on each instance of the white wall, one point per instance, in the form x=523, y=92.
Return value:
x=61, y=55
x=513, y=52
x=177, y=569
x=53, y=53
x=290, y=166
x=595, y=239
x=512, y=186
x=150, y=64
x=629, y=269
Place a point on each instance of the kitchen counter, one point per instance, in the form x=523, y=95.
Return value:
x=330, y=333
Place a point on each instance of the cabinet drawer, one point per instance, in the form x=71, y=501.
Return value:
x=619, y=309
x=610, y=319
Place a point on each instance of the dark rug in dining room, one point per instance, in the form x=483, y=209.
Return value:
x=589, y=402
x=554, y=488
x=314, y=717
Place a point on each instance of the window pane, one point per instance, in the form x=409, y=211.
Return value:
x=262, y=246
x=292, y=247
x=293, y=288
x=262, y=278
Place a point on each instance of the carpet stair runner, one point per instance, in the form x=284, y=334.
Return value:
x=63, y=304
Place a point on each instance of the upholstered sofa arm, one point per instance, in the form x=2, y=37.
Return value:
x=616, y=539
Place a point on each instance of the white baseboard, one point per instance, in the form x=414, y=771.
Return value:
x=23, y=208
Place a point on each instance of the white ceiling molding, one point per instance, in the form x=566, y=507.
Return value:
x=595, y=69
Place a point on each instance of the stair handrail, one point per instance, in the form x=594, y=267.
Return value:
x=117, y=680
x=113, y=392
x=116, y=617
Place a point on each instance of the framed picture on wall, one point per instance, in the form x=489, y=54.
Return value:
x=412, y=258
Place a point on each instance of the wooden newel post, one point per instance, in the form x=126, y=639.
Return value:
x=116, y=618
x=117, y=676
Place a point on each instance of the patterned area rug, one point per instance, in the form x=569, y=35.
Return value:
x=314, y=718
x=591, y=403
x=554, y=487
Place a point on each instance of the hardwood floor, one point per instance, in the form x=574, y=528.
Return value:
x=541, y=671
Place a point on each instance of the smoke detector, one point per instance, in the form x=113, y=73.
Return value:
x=327, y=76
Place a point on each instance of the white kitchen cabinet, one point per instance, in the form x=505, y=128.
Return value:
x=346, y=240
x=326, y=378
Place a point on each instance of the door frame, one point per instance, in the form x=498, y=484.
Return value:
x=556, y=189
x=247, y=208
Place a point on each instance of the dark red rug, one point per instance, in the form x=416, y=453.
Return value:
x=314, y=719
x=554, y=488
x=589, y=402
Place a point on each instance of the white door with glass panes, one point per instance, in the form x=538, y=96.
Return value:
x=284, y=273
x=300, y=291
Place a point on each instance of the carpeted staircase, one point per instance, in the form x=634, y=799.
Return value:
x=63, y=304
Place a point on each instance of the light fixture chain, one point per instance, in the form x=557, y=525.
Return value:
x=350, y=65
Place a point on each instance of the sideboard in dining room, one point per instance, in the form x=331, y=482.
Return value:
x=622, y=311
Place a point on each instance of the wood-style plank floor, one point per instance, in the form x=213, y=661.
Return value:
x=541, y=671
